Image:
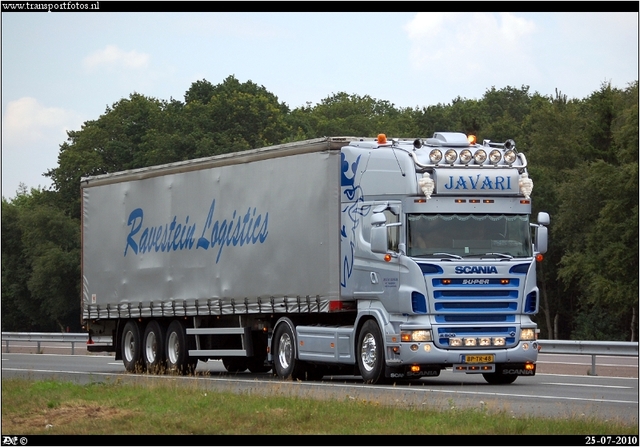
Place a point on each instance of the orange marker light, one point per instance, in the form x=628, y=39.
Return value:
x=382, y=139
x=472, y=139
x=539, y=257
x=387, y=257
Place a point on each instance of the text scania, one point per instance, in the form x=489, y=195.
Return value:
x=239, y=230
x=479, y=182
x=476, y=269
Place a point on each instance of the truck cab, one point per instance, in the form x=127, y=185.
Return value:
x=445, y=257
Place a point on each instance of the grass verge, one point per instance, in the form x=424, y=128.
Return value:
x=51, y=407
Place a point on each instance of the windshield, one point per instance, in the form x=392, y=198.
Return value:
x=467, y=235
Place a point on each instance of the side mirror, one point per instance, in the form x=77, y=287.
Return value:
x=543, y=218
x=541, y=239
x=378, y=219
x=379, y=238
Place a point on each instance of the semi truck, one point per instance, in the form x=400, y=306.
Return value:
x=391, y=259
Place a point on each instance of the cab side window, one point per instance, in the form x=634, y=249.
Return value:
x=393, y=233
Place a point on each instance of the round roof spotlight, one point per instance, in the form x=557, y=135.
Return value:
x=509, y=144
x=435, y=156
x=495, y=156
x=417, y=143
x=450, y=156
x=510, y=156
x=465, y=156
x=480, y=156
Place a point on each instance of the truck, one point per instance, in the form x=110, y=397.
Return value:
x=391, y=259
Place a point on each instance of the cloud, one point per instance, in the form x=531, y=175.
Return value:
x=462, y=46
x=31, y=135
x=26, y=120
x=113, y=57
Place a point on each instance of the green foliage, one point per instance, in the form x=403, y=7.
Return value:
x=582, y=156
x=40, y=264
x=342, y=114
x=597, y=225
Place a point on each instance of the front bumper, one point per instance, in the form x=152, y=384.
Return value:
x=428, y=357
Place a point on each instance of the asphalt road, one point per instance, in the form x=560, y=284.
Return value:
x=562, y=386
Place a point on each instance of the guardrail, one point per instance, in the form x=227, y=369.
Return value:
x=44, y=337
x=592, y=348
x=573, y=347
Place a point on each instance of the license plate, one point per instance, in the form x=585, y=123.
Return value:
x=488, y=358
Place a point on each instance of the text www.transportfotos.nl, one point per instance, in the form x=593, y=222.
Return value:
x=51, y=6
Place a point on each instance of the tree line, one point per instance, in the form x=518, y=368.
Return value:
x=582, y=155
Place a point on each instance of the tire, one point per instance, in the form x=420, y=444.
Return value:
x=153, y=352
x=132, y=347
x=235, y=364
x=285, y=364
x=177, y=350
x=499, y=379
x=370, y=353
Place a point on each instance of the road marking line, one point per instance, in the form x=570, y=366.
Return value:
x=586, y=385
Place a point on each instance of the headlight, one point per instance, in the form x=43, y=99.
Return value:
x=435, y=156
x=527, y=334
x=510, y=157
x=495, y=156
x=499, y=341
x=465, y=156
x=450, y=156
x=480, y=156
x=420, y=335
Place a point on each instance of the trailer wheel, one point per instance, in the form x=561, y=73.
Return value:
x=153, y=347
x=177, y=350
x=499, y=379
x=132, y=347
x=285, y=364
x=370, y=353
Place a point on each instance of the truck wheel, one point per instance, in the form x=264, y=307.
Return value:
x=370, y=353
x=132, y=347
x=285, y=364
x=153, y=347
x=177, y=350
x=499, y=379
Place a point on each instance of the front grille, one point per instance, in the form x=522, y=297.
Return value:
x=481, y=308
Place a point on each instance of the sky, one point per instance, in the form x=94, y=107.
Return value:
x=61, y=69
